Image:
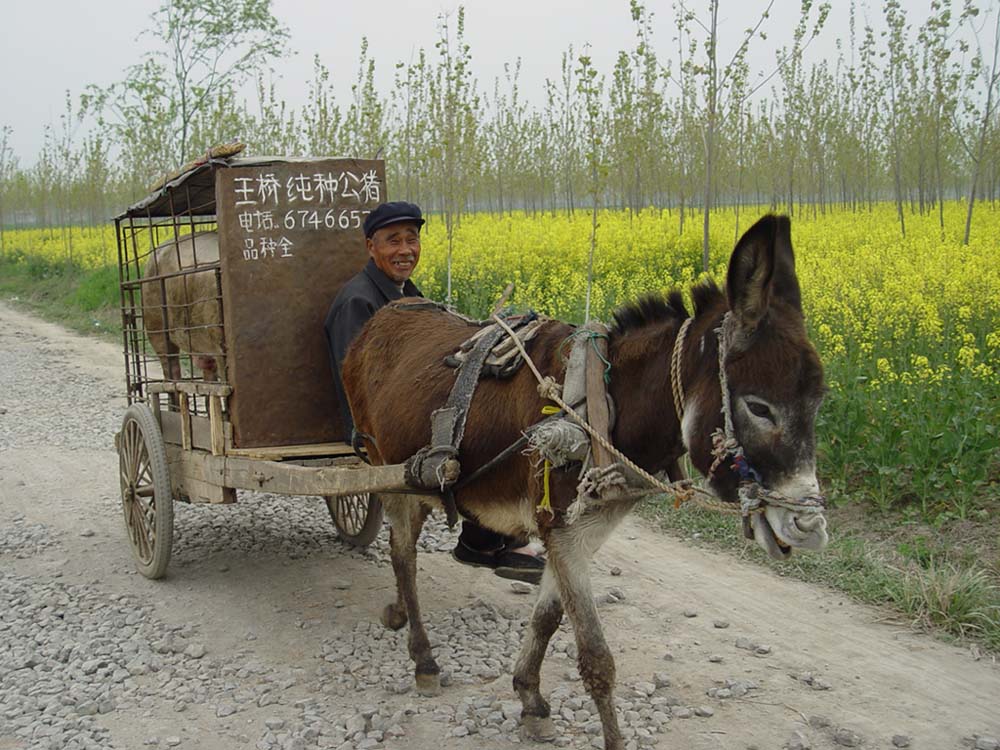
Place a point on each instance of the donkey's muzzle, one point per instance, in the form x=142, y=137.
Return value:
x=803, y=528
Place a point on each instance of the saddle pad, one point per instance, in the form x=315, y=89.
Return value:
x=504, y=359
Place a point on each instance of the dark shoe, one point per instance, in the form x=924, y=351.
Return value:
x=504, y=562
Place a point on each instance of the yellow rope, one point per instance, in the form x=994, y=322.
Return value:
x=682, y=491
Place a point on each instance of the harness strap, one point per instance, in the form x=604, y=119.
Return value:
x=598, y=413
x=427, y=468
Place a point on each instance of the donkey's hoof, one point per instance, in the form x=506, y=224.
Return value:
x=428, y=685
x=393, y=616
x=538, y=729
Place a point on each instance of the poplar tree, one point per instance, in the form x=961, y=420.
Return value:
x=590, y=86
x=8, y=167
x=203, y=47
x=982, y=93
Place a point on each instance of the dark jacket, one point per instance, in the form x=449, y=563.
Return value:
x=354, y=306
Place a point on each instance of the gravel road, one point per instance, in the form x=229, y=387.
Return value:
x=265, y=632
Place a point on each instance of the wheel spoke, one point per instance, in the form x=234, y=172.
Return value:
x=138, y=532
x=126, y=446
x=137, y=447
x=359, y=502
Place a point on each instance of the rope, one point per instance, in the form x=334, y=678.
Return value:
x=727, y=409
x=594, y=335
x=676, y=383
x=682, y=491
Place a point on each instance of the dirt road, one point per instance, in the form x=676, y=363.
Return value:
x=264, y=634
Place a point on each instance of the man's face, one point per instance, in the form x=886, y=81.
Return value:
x=396, y=250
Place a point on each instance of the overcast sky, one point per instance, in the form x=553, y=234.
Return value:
x=51, y=46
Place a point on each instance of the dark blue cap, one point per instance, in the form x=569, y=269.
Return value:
x=392, y=212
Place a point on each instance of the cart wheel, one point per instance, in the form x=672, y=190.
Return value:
x=358, y=518
x=147, y=502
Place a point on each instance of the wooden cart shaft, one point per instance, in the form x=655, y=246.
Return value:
x=195, y=473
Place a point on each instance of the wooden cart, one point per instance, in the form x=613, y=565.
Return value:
x=235, y=261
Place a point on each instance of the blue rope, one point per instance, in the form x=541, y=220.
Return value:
x=607, y=364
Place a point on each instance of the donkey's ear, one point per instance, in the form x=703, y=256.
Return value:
x=785, y=282
x=762, y=268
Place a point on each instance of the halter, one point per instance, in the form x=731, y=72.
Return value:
x=724, y=442
x=676, y=383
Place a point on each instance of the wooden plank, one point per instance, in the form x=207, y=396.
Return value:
x=280, y=452
x=191, y=388
x=598, y=413
x=197, y=491
x=187, y=478
x=216, y=426
x=200, y=431
x=185, y=421
x=170, y=426
x=155, y=406
x=290, y=479
x=285, y=478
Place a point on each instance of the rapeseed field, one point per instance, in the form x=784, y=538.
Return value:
x=908, y=328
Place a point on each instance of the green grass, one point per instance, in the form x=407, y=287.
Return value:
x=83, y=300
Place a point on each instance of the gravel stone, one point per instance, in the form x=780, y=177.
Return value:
x=520, y=587
x=985, y=742
x=900, y=740
x=847, y=737
x=798, y=741
x=704, y=711
x=720, y=624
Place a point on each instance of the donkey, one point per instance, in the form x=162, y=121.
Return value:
x=395, y=377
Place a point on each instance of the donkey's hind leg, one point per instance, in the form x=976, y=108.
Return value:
x=406, y=518
x=545, y=618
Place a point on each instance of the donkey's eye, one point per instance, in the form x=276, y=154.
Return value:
x=760, y=410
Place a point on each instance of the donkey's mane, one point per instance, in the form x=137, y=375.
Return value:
x=659, y=308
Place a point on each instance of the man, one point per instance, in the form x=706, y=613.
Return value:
x=392, y=236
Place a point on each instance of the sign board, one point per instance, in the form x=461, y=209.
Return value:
x=290, y=237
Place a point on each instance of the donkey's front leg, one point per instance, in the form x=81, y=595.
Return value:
x=406, y=517
x=545, y=618
x=570, y=550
